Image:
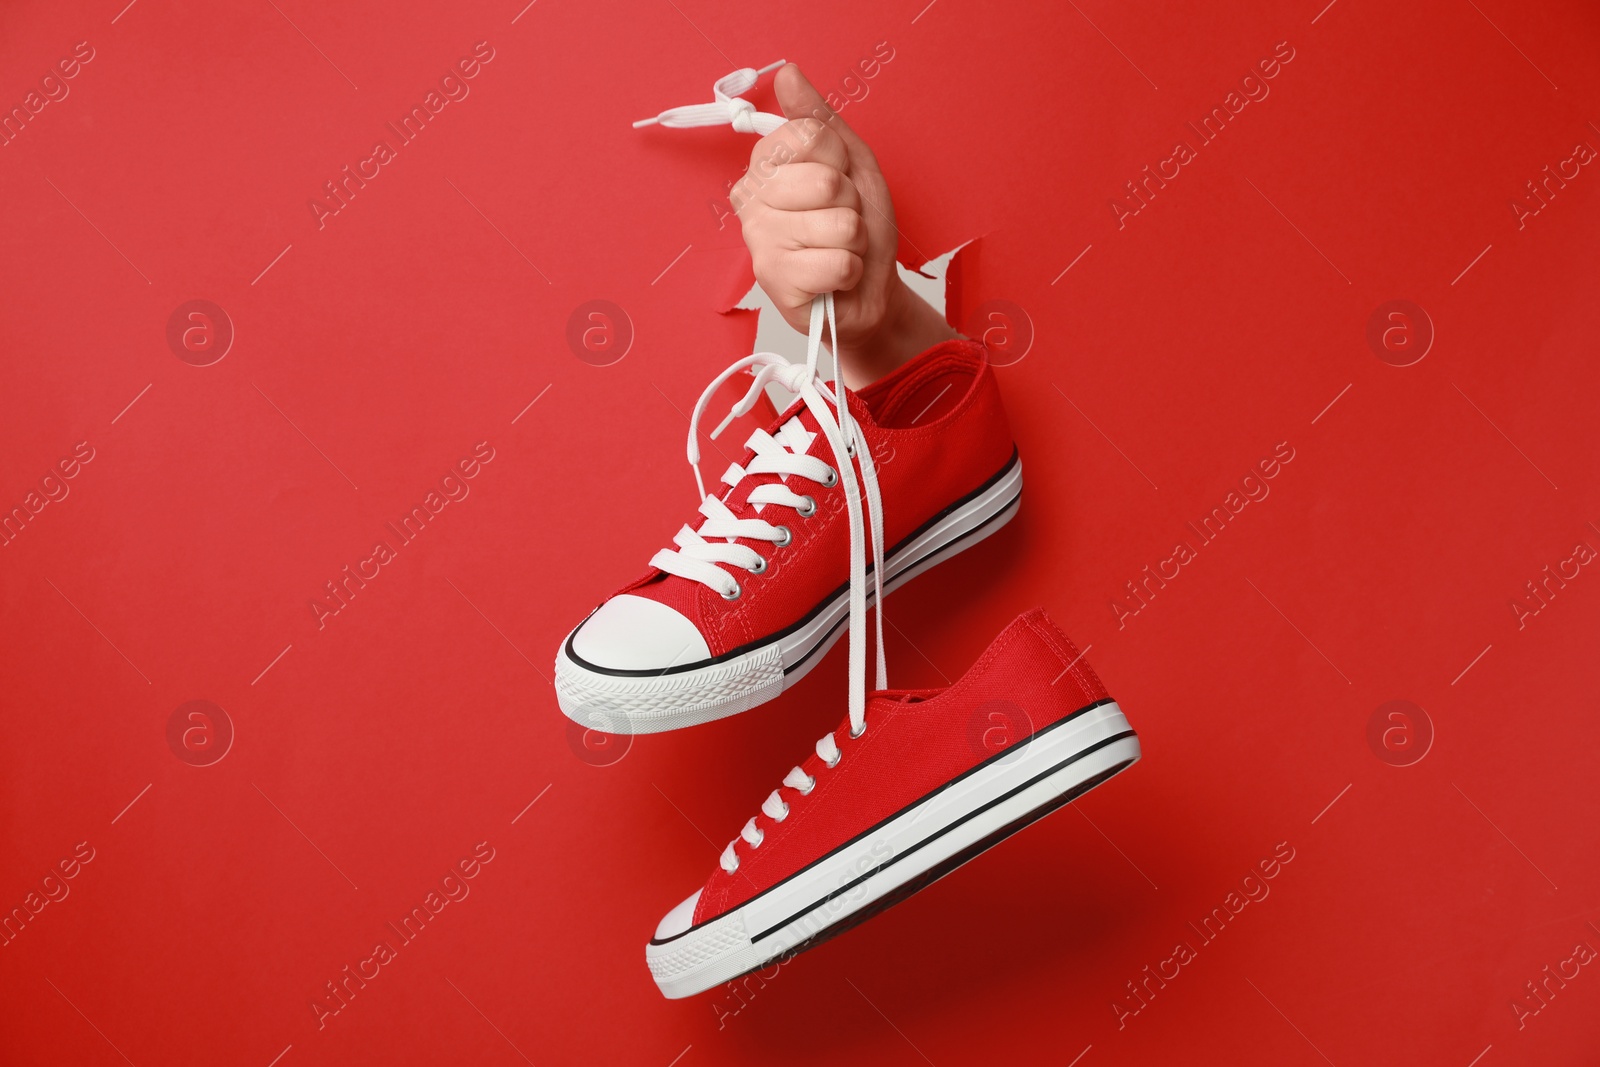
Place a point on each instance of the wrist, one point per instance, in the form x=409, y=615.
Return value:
x=909, y=327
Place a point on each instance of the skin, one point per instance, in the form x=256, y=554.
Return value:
x=816, y=215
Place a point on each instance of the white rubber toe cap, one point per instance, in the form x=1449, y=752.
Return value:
x=635, y=633
x=678, y=919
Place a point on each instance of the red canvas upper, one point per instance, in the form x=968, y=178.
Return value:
x=915, y=741
x=937, y=431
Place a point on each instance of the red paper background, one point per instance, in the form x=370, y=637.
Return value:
x=1180, y=348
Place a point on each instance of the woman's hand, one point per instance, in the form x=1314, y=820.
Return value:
x=817, y=218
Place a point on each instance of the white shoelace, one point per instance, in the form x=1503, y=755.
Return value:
x=697, y=555
x=727, y=107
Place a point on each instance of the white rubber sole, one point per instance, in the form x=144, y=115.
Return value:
x=902, y=855
x=647, y=702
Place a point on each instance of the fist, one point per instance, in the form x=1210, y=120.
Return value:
x=816, y=216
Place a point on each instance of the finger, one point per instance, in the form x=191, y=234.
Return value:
x=800, y=141
x=792, y=301
x=798, y=187
x=800, y=99
x=771, y=234
x=809, y=271
x=834, y=227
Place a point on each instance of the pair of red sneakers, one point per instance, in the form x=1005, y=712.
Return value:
x=845, y=497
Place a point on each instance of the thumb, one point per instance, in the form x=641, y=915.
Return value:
x=800, y=99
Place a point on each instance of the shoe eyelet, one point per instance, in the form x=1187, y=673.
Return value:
x=830, y=764
x=854, y=733
x=785, y=814
x=760, y=567
x=738, y=591
x=807, y=509
x=735, y=866
x=833, y=479
x=787, y=537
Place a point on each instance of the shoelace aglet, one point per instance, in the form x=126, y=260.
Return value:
x=694, y=465
x=747, y=403
x=647, y=122
x=739, y=411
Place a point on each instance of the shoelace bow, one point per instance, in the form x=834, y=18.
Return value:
x=697, y=554
x=726, y=109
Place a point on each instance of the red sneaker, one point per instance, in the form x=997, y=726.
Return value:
x=897, y=799
x=749, y=602
x=921, y=461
